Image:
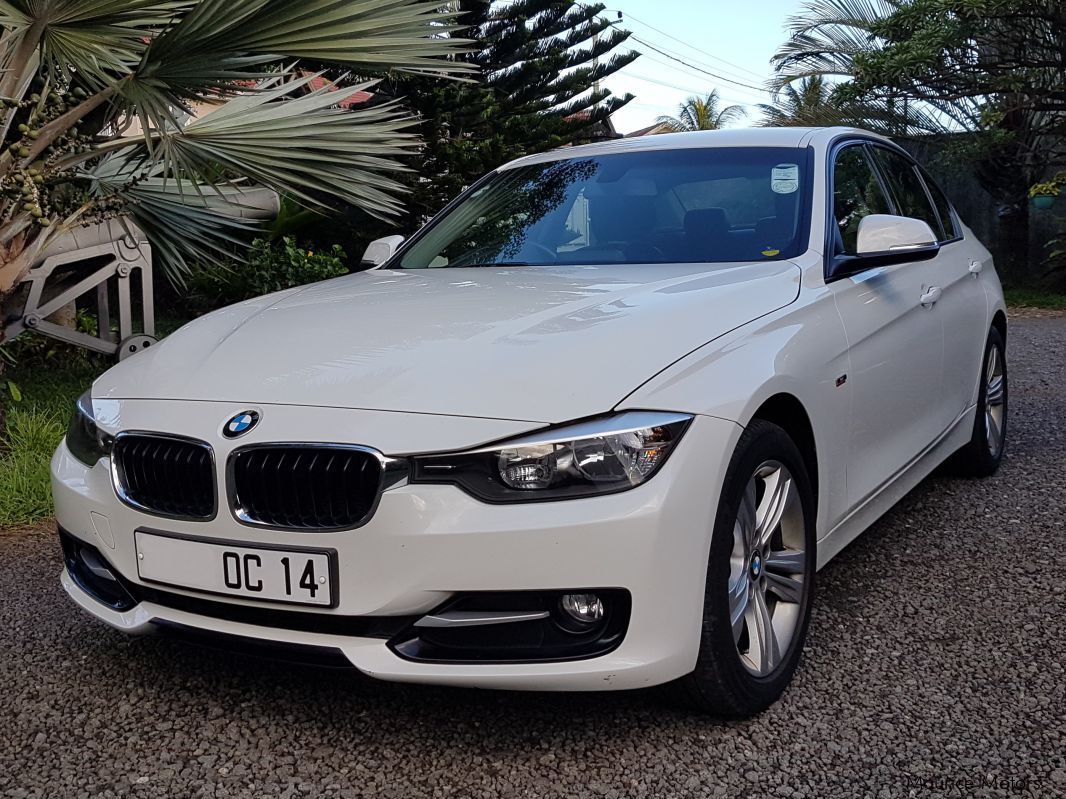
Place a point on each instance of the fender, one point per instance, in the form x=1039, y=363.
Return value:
x=799, y=350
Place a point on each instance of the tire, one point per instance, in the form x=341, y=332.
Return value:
x=979, y=457
x=735, y=676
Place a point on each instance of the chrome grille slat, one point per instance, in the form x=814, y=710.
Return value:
x=304, y=486
x=165, y=475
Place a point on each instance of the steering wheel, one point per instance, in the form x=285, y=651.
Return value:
x=550, y=254
x=644, y=252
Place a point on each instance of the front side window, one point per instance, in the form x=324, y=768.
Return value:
x=907, y=188
x=663, y=206
x=857, y=194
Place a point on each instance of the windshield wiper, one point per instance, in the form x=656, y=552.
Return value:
x=491, y=264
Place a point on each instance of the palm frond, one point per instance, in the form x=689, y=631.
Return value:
x=826, y=35
x=221, y=45
x=97, y=40
x=373, y=36
x=186, y=222
x=302, y=146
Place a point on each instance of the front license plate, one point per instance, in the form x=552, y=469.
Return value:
x=302, y=577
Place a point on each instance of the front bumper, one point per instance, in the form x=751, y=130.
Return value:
x=427, y=543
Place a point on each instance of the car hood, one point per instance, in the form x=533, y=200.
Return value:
x=538, y=344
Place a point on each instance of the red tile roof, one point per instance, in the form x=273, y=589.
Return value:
x=356, y=98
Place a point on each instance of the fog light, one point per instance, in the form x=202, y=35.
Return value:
x=585, y=608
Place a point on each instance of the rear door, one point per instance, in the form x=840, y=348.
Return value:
x=896, y=343
x=961, y=306
x=963, y=266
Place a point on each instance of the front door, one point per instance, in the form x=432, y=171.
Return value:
x=896, y=342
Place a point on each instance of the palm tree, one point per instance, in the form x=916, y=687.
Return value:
x=807, y=102
x=96, y=98
x=826, y=37
x=702, y=113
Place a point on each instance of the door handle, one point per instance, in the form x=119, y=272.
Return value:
x=931, y=295
x=976, y=267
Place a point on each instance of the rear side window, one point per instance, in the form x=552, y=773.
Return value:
x=943, y=208
x=857, y=193
x=907, y=188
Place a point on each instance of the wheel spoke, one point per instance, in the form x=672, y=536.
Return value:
x=739, y=599
x=765, y=637
x=775, y=499
x=746, y=516
x=995, y=390
x=992, y=429
x=786, y=561
x=788, y=589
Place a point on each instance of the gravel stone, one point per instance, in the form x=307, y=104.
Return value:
x=934, y=667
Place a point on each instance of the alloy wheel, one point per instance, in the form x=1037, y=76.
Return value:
x=995, y=396
x=767, y=585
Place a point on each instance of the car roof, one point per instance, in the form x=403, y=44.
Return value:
x=731, y=137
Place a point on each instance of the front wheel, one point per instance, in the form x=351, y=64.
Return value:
x=760, y=579
x=984, y=452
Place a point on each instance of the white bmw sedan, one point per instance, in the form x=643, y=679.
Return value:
x=595, y=426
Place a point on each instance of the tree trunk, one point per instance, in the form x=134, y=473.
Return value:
x=1014, y=243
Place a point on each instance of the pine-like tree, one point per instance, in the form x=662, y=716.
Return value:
x=540, y=62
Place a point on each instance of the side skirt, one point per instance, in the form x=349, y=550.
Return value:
x=895, y=488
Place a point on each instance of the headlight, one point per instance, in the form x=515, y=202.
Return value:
x=85, y=440
x=585, y=459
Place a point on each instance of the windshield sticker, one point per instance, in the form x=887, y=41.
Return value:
x=770, y=252
x=784, y=178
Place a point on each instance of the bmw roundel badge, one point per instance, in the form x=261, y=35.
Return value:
x=240, y=424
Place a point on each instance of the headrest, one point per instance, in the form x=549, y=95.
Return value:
x=621, y=218
x=704, y=221
x=768, y=230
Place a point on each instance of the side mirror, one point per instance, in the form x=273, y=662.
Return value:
x=883, y=233
x=885, y=240
x=380, y=250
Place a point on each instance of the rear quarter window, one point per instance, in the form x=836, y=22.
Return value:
x=943, y=208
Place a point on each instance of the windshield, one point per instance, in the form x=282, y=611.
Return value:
x=662, y=206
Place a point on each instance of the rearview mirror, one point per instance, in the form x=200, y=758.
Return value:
x=884, y=233
x=380, y=250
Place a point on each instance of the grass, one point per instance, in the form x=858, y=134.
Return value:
x=35, y=426
x=50, y=377
x=1034, y=298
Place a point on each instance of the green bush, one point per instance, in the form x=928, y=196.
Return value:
x=271, y=266
x=30, y=350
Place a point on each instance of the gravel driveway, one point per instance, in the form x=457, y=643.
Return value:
x=935, y=666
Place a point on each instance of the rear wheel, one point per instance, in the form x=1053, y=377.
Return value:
x=760, y=579
x=984, y=452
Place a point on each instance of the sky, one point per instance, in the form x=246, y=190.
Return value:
x=733, y=40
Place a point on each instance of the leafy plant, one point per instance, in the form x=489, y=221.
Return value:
x=29, y=350
x=1049, y=188
x=271, y=266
